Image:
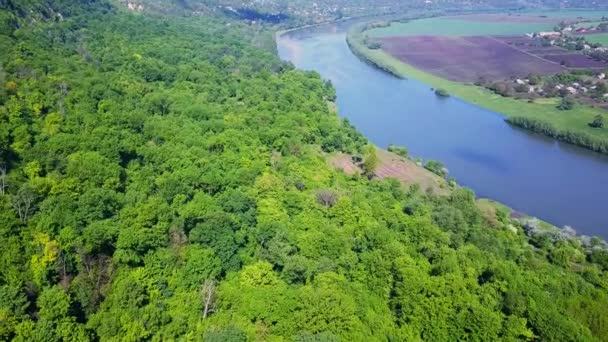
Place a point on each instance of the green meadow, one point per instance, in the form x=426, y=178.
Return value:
x=443, y=26
x=601, y=38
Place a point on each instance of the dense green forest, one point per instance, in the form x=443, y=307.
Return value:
x=165, y=178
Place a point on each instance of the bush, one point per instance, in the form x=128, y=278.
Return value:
x=442, y=92
x=398, y=150
x=598, y=122
x=567, y=103
x=436, y=167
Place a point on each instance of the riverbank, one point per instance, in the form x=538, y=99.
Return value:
x=409, y=173
x=540, y=116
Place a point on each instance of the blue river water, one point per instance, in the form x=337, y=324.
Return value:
x=557, y=182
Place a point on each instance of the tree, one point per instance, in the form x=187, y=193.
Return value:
x=598, y=121
x=370, y=161
x=534, y=79
x=327, y=198
x=24, y=202
x=2, y=84
x=3, y=184
x=566, y=103
x=208, y=297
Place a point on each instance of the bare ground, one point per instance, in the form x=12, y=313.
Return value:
x=394, y=166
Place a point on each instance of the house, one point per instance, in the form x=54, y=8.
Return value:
x=581, y=30
x=601, y=76
x=549, y=34
x=571, y=90
x=518, y=81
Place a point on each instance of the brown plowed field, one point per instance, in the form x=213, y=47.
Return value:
x=467, y=59
x=574, y=60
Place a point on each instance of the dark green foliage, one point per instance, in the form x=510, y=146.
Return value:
x=442, y=93
x=566, y=103
x=585, y=140
x=598, y=122
x=166, y=180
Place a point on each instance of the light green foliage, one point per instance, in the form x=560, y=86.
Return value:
x=370, y=160
x=172, y=173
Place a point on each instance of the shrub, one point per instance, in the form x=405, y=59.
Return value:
x=567, y=103
x=441, y=92
x=598, y=122
x=398, y=150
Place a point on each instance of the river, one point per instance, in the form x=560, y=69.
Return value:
x=557, y=182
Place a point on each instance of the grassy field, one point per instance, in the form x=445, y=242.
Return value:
x=570, y=14
x=457, y=27
x=575, y=120
x=601, y=38
x=467, y=27
x=588, y=24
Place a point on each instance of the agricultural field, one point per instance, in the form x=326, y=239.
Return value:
x=468, y=58
x=498, y=53
x=465, y=26
x=601, y=38
x=586, y=24
x=485, y=24
x=466, y=48
x=576, y=61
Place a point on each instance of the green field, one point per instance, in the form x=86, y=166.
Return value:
x=452, y=26
x=601, y=38
x=570, y=14
x=456, y=27
x=588, y=24
x=575, y=120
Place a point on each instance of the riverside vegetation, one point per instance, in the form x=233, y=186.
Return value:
x=165, y=178
x=541, y=116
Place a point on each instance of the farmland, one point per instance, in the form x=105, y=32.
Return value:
x=576, y=60
x=601, y=38
x=437, y=51
x=470, y=57
x=462, y=26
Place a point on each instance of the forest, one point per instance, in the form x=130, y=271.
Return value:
x=166, y=178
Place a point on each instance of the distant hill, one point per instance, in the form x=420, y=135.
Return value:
x=308, y=11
